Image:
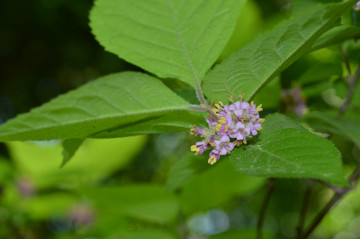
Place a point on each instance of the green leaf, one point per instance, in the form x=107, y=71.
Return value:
x=335, y=36
x=173, y=122
x=186, y=169
x=108, y=102
x=70, y=146
x=275, y=122
x=253, y=66
x=145, y=202
x=330, y=122
x=95, y=160
x=216, y=186
x=141, y=234
x=174, y=39
x=291, y=153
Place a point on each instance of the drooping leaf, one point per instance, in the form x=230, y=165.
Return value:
x=216, y=186
x=141, y=201
x=291, y=153
x=141, y=234
x=108, y=102
x=330, y=122
x=173, y=122
x=175, y=39
x=186, y=169
x=335, y=36
x=253, y=66
x=70, y=146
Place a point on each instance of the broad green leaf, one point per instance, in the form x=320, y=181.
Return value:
x=216, y=186
x=95, y=160
x=291, y=153
x=335, y=36
x=330, y=122
x=275, y=122
x=253, y=66
x=319, y=72
x=142, y=234
x=172, y=39
x=70, y=146
x=173, y=122
x=141, y=201
x=108, y=102
x=186, y=169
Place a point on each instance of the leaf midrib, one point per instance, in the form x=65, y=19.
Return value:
x=95, y=120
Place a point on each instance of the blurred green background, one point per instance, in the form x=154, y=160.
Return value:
x=128, y=187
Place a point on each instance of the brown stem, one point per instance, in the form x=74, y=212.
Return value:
x=270, y=189
x=305, y=207
x=353, y=78
x=337, y=196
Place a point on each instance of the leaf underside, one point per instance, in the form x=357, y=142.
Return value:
x=169, y=38
x=108, y=102
x=253, y=66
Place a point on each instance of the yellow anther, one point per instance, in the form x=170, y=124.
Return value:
x=252, y=103
x=226, y=128
x=261, y=120
x=260, y=128
x=213, y=144
x=222, y=120
x=221, y=103
x=259, y=108
x=217, y=105
x=193, y=147
x=241, y=95
x=193, y=130
x=254, y=119
x=212, y=160
x=244, y=141
x=256, y=112
x=231, y=98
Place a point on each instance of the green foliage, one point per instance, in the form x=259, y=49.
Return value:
x=106, y=103
x=95, y=159
x=290, y=153
x=146, y=202
x=253, y=66
x=174, y=39
x=331, y=122
x=69, y=148
x=172, y=122
x=185, y=170
x=208, y=190
x=336, y=35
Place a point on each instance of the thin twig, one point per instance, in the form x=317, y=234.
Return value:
x=352, y=83
x=354, y=177
x=347, y=63
x=270, y=189
x=335, y=188
x=305, y=207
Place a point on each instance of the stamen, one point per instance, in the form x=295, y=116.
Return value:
x=212, y=160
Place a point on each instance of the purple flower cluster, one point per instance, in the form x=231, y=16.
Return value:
x=357, y=6
x=233, y=125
